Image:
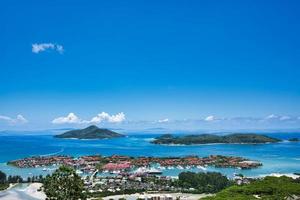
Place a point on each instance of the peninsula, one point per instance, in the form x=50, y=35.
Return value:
x=210, y=139
x=91, y=132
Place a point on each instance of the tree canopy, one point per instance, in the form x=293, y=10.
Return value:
x=209, y=182
x=64, y=184
x=267, y=188
x=2, y=177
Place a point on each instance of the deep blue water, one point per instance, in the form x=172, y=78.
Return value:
x=282, y=157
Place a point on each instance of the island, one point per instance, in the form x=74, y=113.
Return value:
x=120, y=163
x=294, y=139
x=91, y=132
x=239, y=138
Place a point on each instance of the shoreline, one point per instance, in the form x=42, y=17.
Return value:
x=29, y=192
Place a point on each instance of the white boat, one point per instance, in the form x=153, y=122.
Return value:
x=153, y=171
x=79, y=172
x=161, y=167
x=201, y=167
x=143, y=170
x=179, y=167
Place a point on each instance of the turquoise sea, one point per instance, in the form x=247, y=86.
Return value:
x=283, y=157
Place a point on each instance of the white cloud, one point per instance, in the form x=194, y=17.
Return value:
x=272, y=116
x=12, y=121
x=210, y=118
x=284, y=118
x=37, y=48
x=163, y=120
x=279, y=117
x=101, y=117
x=71, y=118
x=21, y=119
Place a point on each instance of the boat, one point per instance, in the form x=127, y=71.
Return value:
x=201, y=167
x=153, y=171
x=179, y=167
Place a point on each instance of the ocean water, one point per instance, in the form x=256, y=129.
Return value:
x=283, y=157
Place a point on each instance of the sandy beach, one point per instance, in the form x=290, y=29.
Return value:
x=23, y=192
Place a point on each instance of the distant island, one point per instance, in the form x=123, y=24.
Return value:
x=91, y=132
x=210, y=138
x=294, y=139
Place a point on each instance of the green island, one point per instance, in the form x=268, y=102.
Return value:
x=249, y=138
x=294, y=139
x=91, y=132
x=267, y=188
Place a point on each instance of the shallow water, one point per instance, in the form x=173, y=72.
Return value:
x=283, y=157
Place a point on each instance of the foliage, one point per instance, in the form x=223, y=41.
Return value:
x=4, y=186
x=14, y=179
x=209, y=182
x=267, y=188
x=3, y=183
x=210, y=138
x=2, y=177
x=108, y=193
x=64, y=184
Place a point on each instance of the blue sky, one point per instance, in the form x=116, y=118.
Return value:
x=150, y=60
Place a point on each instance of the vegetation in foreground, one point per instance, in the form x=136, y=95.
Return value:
x=3, y=184
x=269, y=188
x=64, y=184
x=6, y=180
x=210, y=182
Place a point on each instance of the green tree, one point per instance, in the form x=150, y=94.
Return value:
x=2, y=177
x=203, y=182
x=64, y=184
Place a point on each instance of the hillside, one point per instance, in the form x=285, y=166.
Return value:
x=91, y=132
x=267, y=188
x=209, y=138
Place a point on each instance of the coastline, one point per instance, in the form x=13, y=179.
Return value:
x=280, y=157
x=30, y=192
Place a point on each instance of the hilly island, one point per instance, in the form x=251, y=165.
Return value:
x=250, y=138
x=91, y=132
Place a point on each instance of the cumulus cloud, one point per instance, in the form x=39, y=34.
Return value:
x=71, y=118
x=284, y=118
x=37, y=48
x=163, y=120
x=210, y=118
x=12, y=121
x=272, y=116
x=279, y=117
x=102, y=117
